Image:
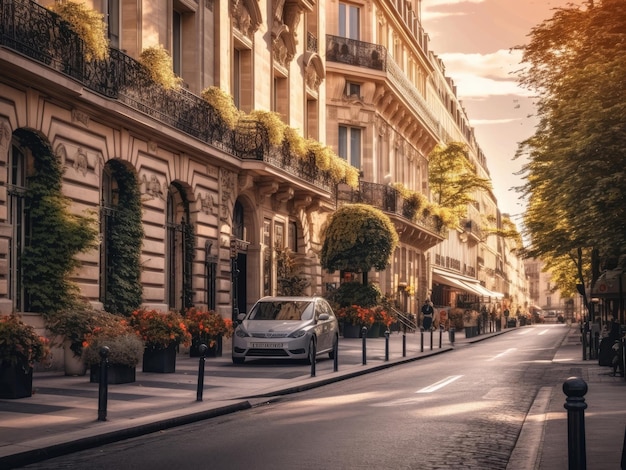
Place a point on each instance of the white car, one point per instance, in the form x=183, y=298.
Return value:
x=286, y=328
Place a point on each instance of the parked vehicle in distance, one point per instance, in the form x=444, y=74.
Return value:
x=286, y=328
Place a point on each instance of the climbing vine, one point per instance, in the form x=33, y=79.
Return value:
x=56, y=235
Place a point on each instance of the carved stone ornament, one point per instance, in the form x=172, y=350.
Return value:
x=207, y=204
x=247, y=16
x=5, y=134
x=152, y=187
x=79, y=116
x=81, y=163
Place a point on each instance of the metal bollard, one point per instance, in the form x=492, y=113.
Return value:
x=584, y=337
x=336, y=355
x=364, y=336
x=451, y=335
x=440, y=335
x=386, y=345
x=575, y=389
x=202, y=349
x=103, y=386
x=313, y=356
x=421, y=339
x=431, y=339
x=404, y=344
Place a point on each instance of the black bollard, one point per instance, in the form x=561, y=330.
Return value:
x=584, y=337
x=440, y=335
x=451, y=335
x=103, y=386
x=364, y=336
x=313, y=356
x=336, y=355
x=202, y=349
x=431, y=339
x=575, y=389
x=404, y=344
x=386, y=345
x=421, y=339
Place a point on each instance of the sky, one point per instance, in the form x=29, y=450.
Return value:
x=474, y=39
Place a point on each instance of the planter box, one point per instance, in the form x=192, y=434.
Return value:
x=15, y=381
x=116, y=374
x=162, y=361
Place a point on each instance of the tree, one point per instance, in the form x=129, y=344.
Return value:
x=452, y=178
x=575, y=178
x=357, y=238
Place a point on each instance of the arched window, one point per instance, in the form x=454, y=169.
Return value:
x=179, y=245
x=20, y=160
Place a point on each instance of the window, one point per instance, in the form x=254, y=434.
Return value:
x=177, y=40
x=350, y=145
x=267, y=257
x=113, y=22
x=292, y=237
x=179, y=239
x=353, y=89
x=349, y=21
x=19, y=220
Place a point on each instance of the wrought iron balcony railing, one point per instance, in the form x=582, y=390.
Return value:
x=376, y=57
x=389, y=200
x=35, y=32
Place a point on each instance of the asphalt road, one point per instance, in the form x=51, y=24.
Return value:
x=463, y=409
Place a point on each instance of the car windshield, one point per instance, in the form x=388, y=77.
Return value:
x=282, y=310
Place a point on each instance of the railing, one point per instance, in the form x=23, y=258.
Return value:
x=407, y=322
x=388, y=199
x=35, y=32
x=311, y=42
x=376, y=57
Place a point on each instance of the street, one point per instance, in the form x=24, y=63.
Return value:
x=462, y=409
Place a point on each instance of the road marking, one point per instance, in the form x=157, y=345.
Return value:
x=502, y=354
x=442, y=383
x=543, y=332
x=523, y=332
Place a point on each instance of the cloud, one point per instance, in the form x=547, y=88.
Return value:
x=484, y=75
x=435, y=9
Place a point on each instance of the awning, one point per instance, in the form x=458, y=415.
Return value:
x=611, y=283
x=465, y=283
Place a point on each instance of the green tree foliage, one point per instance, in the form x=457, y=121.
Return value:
x=453, y=179
x=357, y=238
x=575, y=178
x=56, y=235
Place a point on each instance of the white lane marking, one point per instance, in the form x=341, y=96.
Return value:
x=523, y=332
x=542, y=332
x=502, y=354
x=442, y=383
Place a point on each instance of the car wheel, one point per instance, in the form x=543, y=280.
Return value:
x=238, y=360
x=312, y=351
x=331, y=354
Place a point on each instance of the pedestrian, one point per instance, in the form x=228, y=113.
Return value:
x=427, y=312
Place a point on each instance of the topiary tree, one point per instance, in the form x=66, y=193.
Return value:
x=357, y=238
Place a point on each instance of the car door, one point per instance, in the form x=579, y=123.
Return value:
x=323, y=327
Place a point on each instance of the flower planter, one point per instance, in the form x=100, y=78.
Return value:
x=162, y=360
x=73, y=364
x=351, y=331
x=16, y=381
x=214, y=350
x=116, y=374
x=374, y=331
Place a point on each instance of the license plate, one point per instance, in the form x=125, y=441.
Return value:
x=267, y=345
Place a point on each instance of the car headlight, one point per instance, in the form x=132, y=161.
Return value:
x=241, y=333
x=297, y=334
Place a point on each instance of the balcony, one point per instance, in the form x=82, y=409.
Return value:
x=36, y=33
x=421, y=232
x=375, y=57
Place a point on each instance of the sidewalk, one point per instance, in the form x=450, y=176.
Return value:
x=61, y=416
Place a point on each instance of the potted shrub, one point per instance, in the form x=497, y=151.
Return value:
x=209, y=328
x=125, y=349
x=161, y=333
x=72, y=326
x=353, y=318
x=20, y=348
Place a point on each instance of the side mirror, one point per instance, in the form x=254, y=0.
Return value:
x=323, y=317
x=240, y=317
